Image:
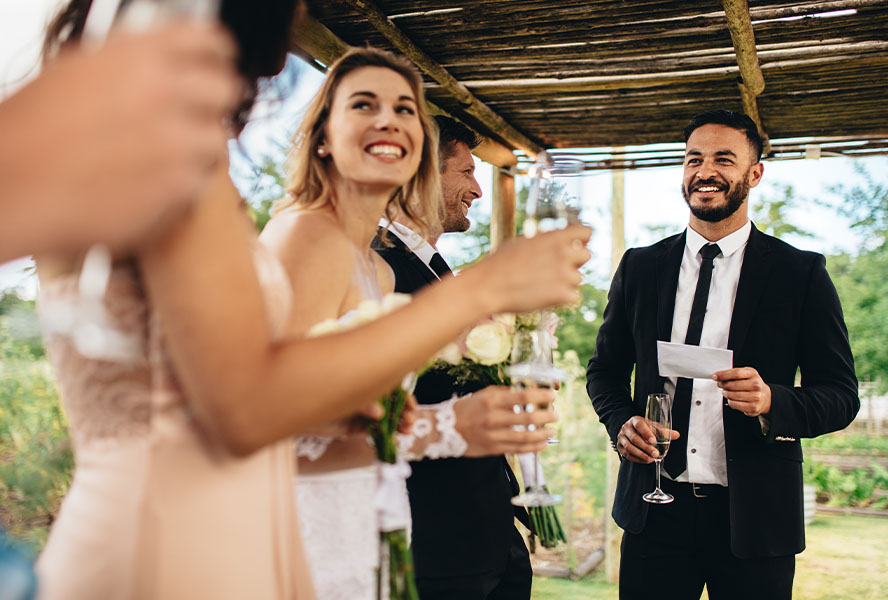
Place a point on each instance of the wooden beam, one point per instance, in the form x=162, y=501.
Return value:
x=319, y=42
x=472, y=105
x=502, y=218
x=750, y=107
x=495, y=153
x=740, y=26
x=612, y=533
x=752, y=82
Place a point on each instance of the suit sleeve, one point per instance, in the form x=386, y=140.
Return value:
x=827, y=399
x=609, y=370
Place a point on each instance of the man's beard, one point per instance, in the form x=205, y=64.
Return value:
x=734, y=197
x=455, y=221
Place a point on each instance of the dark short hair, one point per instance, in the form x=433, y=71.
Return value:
x=450, y=133
x=728, y=118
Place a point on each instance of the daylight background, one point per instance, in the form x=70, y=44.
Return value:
x=833, y=205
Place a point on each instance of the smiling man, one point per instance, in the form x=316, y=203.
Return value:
x=734, y=466
x=465, y=544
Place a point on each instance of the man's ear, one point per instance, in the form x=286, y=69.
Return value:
x=754, y=176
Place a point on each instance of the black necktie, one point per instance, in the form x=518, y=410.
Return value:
x=677, y=459
x=439, y=266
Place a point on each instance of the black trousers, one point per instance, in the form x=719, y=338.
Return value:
x=512, y=583
x=687, y=544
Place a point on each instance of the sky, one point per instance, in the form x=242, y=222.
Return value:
x=652, y=196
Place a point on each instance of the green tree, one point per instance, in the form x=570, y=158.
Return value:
x=18, y=317
x=862, y=279
x=770, y=214
x=579, y=325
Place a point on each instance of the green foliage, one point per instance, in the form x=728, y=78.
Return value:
x=866, y=205
x=770, y=214
x=267, y=184
x=35, y=455
x=847, y=441
x=578, y=327
x=862, y=280
x=19, y=317
x=575, y=467
x=855, y=487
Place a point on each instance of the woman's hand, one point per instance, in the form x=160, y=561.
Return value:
x=491, y=425
x=529, y=274
x=107, y=143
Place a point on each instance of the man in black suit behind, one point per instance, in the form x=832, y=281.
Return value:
x=734, y=467
x=464, y=542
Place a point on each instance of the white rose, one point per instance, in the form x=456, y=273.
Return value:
x=324, y=328
x=489, y=343
x=394, y=301
x=507, y=319
x=450, y=354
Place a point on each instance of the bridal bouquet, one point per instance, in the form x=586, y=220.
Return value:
x=481, y=359
x=391, y=497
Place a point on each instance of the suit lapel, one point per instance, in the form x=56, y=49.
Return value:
x=420, y=267
x=757, y=266
x=668, y=267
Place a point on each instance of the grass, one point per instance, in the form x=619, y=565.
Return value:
x=845, y=558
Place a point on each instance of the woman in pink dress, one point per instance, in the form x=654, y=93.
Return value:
x=183, y=485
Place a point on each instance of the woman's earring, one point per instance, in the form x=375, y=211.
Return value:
x=322, y=152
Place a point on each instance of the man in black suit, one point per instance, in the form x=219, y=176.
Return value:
x=465, y=544
x=734, y=467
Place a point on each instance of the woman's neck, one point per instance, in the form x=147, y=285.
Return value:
x=358, y=209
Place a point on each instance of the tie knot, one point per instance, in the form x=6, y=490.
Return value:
x=710, y=251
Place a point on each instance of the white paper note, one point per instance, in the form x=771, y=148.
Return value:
x=694, y=362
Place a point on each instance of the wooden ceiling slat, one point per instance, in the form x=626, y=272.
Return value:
x=630, y=72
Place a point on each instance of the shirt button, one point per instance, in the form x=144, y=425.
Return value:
x=693, y=450
x=698, y=403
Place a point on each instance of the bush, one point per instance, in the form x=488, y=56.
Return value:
x=35, y=453
x=855, y=487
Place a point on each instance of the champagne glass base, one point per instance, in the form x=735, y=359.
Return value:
x=536, y=497
x=658, y=496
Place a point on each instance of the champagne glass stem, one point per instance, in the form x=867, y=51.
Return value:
x=658, y=473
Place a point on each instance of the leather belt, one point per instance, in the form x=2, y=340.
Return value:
x=697, y=490
x=705, y=490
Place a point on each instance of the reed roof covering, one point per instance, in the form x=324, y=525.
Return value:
x=534, y=74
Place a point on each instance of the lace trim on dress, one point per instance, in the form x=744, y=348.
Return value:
x=450, y=443
x=312, y=447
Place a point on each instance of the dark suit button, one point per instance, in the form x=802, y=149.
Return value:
x=699, y=403
x=693, y=450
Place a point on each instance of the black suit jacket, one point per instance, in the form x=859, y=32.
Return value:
x=786, y=316
x=463, y=519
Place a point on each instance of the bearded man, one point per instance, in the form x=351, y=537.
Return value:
x=735, y=463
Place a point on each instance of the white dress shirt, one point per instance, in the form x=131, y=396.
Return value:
x=414, y=242
x=706, y=432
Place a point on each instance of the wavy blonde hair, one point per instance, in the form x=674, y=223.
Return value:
x=308, y=181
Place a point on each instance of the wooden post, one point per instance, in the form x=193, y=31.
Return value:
x=502, y=216
x=612, y=534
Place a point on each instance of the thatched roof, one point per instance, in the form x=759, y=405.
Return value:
x=535, y=74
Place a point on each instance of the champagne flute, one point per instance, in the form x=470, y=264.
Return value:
x=658, y=416
x=555, y=196
x=532, y=367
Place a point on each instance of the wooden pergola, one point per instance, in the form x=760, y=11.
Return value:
x=607, y=79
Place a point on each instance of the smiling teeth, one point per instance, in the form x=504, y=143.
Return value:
x=386, y=150
x=707, y=188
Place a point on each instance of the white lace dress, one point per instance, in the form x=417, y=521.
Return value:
x=340, y=512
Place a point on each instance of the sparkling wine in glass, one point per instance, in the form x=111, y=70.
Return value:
x=532, y=367
x=658, y=416
x=555, y=196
